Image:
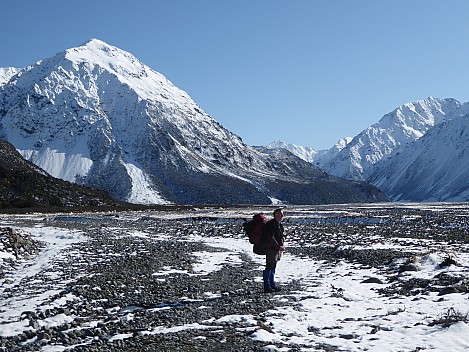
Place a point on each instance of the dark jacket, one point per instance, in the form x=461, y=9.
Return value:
x=272, y=235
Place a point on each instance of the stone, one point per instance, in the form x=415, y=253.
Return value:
x=447, y=291
x=408, y=267
x=372, y=280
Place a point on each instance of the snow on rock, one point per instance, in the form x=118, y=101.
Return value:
x=7, y=73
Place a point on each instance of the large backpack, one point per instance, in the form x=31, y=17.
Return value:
x=254, y=229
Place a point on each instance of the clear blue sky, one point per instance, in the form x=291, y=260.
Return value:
x=306, y=72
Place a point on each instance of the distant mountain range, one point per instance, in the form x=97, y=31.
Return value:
x=96, y=116
x=418, y=152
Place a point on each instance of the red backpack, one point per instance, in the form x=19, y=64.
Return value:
x=254, y=229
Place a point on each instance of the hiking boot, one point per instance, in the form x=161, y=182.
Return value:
x=266, y=278
x=272, y=283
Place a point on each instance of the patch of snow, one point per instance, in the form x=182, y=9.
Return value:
x=56, y=240
x=142, y=190
x=69, y=167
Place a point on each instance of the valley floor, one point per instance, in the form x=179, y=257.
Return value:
x=368, y=277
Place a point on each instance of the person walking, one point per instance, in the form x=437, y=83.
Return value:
x=273, y=240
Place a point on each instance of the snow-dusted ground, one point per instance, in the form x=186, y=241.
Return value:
x=325, y=305
x=55, y=240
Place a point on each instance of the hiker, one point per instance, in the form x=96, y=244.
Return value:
x=273, y=242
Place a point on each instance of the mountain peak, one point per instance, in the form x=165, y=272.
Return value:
x=94, y=41
x=98, y=52
x=146, y=82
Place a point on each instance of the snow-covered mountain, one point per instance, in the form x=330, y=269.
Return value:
x=404, y=125
x=305, y=153
x=418, y=152
x=96, y=115
x=433, y=168
x=318, y=157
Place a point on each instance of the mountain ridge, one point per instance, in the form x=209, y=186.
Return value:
x=403, y=125
x=429, y=169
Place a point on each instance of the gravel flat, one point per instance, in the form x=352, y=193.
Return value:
x=135, y=281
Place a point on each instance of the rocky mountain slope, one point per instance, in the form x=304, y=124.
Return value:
x=24, y=185
x=97, y=116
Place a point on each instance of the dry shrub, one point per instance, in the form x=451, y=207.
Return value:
x=450, y=317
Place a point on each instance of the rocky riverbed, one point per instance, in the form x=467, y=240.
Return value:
x=187, y=280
